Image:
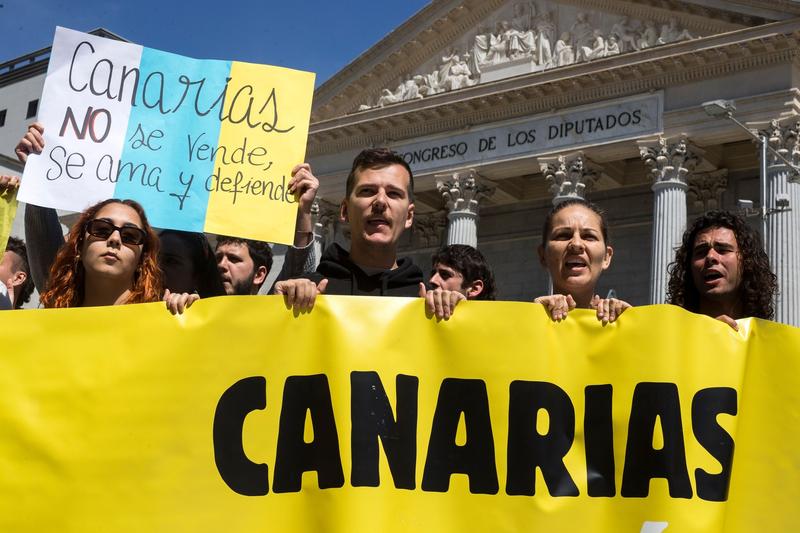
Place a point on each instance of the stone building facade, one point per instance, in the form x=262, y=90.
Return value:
x=504, y=108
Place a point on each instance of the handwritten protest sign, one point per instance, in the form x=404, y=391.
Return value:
x=8, y=210
x=204, y=145
x=364, y=415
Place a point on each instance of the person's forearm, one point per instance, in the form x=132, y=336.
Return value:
x=304, y=229
x=44, y=237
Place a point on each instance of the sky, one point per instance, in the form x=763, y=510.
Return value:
x=318, y=36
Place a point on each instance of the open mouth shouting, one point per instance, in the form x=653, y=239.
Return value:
x=575, y=264
x=710, y=277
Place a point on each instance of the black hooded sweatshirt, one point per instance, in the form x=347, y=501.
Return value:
x=345, y=277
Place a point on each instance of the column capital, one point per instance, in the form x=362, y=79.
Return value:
x=706, y=188
x=429, y=228
x=323, y=212
x=325, y=216
x=462, y=191
x=569, y=175
x=671, y=160
x=783, y=136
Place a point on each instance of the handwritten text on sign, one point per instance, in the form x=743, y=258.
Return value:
x=205, y=145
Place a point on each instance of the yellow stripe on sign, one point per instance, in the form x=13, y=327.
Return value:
x=262, y=137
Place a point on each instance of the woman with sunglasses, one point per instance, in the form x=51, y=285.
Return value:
x=110, y=256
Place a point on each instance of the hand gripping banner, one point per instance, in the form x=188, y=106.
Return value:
x=365, y=415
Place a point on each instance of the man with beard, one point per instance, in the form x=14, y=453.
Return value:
x=243, y=264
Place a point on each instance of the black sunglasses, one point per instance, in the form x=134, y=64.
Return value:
x=103, y=229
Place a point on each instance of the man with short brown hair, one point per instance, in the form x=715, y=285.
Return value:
x=379, y=207
x=462, y=268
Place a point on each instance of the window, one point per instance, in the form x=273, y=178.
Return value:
x=33, y=107
x=2, y=117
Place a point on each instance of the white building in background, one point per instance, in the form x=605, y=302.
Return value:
x=503, y=107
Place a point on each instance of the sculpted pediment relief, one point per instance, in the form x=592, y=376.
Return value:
x=525, y=37
x=453, y=45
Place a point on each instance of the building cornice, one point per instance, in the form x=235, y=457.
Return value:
x=790, y=7
x=24, y=67
x=620, y=76
x=35, y=63
x=11, y=162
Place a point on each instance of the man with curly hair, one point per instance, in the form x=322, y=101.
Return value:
x=721, y=270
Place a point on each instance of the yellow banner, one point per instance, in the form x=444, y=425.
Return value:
x=8, y=210
x=364, y=416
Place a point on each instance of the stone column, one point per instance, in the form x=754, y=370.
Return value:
x=569, y=175
x=783, y=220
x=462, y=194
x=324, y=216
x=706, y=188
x=670, y=163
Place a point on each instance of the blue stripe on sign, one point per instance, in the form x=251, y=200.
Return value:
x=172, y=134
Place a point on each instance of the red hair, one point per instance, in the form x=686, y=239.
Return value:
x=66, y=285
